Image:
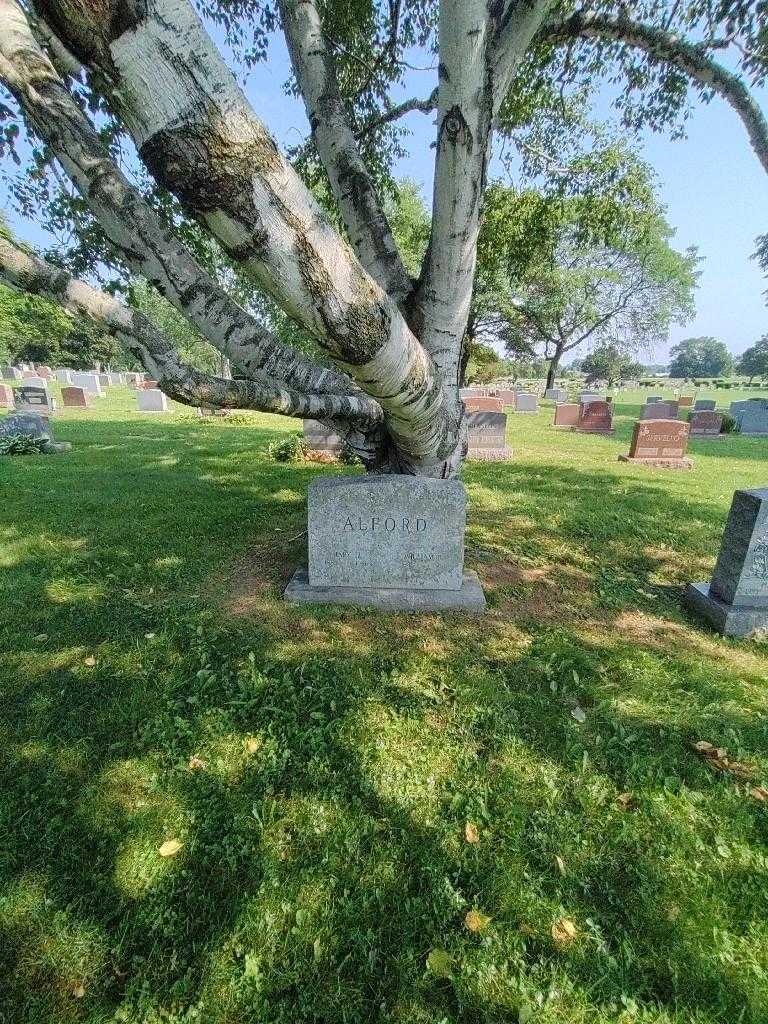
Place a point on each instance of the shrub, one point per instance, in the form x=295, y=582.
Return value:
x=289, y=449
x=349, y=457
x=22, y=444
x=729, y=425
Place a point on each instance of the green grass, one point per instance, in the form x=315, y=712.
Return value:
x=324, y=854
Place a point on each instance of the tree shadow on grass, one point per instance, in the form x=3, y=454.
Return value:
x=323, y=847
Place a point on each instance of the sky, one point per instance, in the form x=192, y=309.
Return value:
x=711, y=183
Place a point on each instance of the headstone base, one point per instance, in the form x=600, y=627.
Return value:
x=684, y=463
x=469, y=599
x=728, y=619
x=593, y=430
x=489, y=454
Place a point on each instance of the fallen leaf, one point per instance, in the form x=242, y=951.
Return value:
x=564, y=932
x=476, y=920
x=626, y=801
x=439, y=963
x=195, y=763
x=90, y=661
x=170, y=848
x=579, y=715
x=78, y=990
x=470, y=833
x=560, y=864
x=759, y=793
x=252, y=744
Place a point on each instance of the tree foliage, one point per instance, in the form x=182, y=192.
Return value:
x=700, y=357
x=753, y=362
x=610, y=363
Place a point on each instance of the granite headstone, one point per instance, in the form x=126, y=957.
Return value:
x=659, y=443
x=567, y=414
x=487, y=436
x=735, y=601
x=74, y=398
x=320, y=438
x=387, y=541
x=705, y=423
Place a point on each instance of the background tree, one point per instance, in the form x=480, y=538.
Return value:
x=753, y=362
x=610, y=363
x=149, y=76
x=700, y=357
x=588, y=275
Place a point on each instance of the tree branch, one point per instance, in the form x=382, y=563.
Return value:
x=352, y=185
x=666, y=47
x=177, y=379
x=199, y=137
x=131, y=225
x=520, y=22
x=426, y=106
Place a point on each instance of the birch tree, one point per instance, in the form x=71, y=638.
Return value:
x=392, y=342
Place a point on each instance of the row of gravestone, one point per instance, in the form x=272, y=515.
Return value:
x=397, y=542
x=751, y=415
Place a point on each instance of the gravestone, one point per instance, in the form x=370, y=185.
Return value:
x=6, y=397
x=487, y=436
x=526, y=402
x=12, y=373
x=653, y=398
x=483, y=405
x=64, y=377
x=74, y=398
x=595, y=418
x=685, y=401
x=33, y=381
x=45, y=372
x=735, y=601
x=105, y=379
x=505, y=396
x=659, y=411
x=752, y=416
x=89, y=381
x=705, y=403
x=320, y=438
x=30, y=373
x=705, y=423
x=589, y=396
x=133, y=380
x=31, y=424
x=152, y=401
x=567, y=414
x=394, y=542
x=660, y=443
x=148, y=384
x=556, y=395
x=32, y=398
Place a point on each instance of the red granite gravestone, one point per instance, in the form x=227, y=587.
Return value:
x=149, y=385
x=685, y=401
x=506, y=397
x=566, y=415
x=6, y=397
x=74, y=398
x=705, y=423
x=595, y=418
x=483, y=405
x=659, y=443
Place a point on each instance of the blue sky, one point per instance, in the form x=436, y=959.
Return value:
x=711, y=183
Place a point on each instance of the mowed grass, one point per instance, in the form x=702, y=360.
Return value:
x=326, y=868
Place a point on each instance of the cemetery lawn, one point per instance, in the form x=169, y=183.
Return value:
x=218, y=808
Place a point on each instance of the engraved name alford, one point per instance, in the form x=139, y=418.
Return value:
x=386, y=532
x=388, y=523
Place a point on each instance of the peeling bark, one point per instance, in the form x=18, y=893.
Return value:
x=177, y=379
x=197, y=134
x=352, y=185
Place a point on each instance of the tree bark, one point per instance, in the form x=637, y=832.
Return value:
x=554, y=363
x=197, y=134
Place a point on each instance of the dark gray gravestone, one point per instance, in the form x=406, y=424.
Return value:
x=753, y=417
x=735, y=601
x=388, y=542
x=320, y=438
x=705, y=423
x=31, y=424
x=659, y=410
x=32, y=398
x=487, y=436
x=705, y=403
